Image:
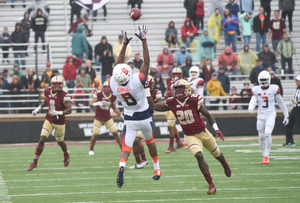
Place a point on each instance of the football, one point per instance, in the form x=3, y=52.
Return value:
x=135, y=14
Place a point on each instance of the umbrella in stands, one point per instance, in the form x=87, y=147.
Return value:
x=91, y=4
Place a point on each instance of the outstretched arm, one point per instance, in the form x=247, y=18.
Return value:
x=142, y=36
x=121, y=58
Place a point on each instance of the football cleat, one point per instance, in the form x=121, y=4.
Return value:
x=144, y=163
x=179, y=145
x=137, y=166
x=157, y=174
x=30, y=168
x=91, y=152
x=265, y=160
x=170, y=149
x=289, y=144
x=67, y=158
x=212, y=190
x=227, y=169
x=120, y=177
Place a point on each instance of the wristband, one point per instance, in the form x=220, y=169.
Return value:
x=215, y=127
x=60, y=113
x=39, y=108
x=147, y=92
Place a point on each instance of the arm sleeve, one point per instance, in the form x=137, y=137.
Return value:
x=252, y=102
x=282, y=105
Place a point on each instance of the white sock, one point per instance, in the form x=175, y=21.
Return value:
x=122, y=164
x=262, y=143
x=156, y=165
x=268, y=144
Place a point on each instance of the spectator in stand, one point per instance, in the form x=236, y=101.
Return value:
x=159, y=84
x=205, y=47
x=134, y=69
x=233, y=101
x=199, y=14
x=171, y=34
x=79, y=94
x=15, y=87
x=107, y=60
x=246, y=21
x=75, y=10
x=154, y=71
x=56, y=72
x=39, y=26
x=268, y=57
x=39, y=4
x=4, y=85
x=74, y=25
x=246, y=95
x=117, y=48
x=188, y=32
x=175, y=65
x=137, y=61
x=95, y=13
x=100, y=48
x=287, y=7
x=135, y=2
x=207, y=70
x=186, y=67
x=229, y=60
x=48, y=74
x=275, y=80
x=5, y=39
x=13, y=1
x=6, y=76
x=30, y=81
x=215, y=26
x=79, y=43
x=286, y=49
x=165, y=60
x=190, y=6
x=214, y=5
x=18, y=37
x=97, y=85
x=45, y=83
x=86, y=82
x=266, y=4
x=90, y=70
x=246, y=60
x=276, y=27
x=260, y=27
x=234, y=9
x=70, y=71
x=214, y=87
x=25, y=27
x=229, y=23
x=182, y=55
x=88, y=33
x=17, y=72
x=255, y=71
x=225, y=82
x=247, y=6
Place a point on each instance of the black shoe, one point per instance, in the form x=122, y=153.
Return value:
x=120, y=177
x=289, y=144
x=24, y=6
x=12, y=6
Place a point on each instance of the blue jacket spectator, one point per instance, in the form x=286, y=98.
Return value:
x=247, y=6
x=182, y=55
x=229, y=23
x=233, y=7
x=79, y=43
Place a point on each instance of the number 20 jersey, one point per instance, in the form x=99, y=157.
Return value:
x=187, y=113
x=265, y=97
x=132, y=95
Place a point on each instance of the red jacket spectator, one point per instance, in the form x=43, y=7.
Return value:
x=70, y=68
x=227, y=58
x=186, y=30
x=200, y=9
x=165, y=60
x=79, y=93
x=75, y=24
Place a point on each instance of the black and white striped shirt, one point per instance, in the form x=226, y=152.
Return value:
x=296, y=97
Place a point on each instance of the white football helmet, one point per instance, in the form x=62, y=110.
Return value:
x=264, y=79
x=122, y=73
x=194, y=69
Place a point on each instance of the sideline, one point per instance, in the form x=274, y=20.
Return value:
x=3, y=191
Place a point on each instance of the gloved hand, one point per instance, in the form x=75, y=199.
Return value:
x=142, y=34
x=54, y=113
x=35, y=111
x=122, y=116
x=126, y=39
x=251, y=111
x=285, y=120
x=218, y=132
x=99, y=103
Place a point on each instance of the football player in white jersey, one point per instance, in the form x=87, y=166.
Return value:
x=264, y=96
x=197, y=83
x=137, y=113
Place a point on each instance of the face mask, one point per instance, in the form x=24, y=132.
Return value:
x=176, y=78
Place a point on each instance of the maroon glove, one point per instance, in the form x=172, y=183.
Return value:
x=218, y=132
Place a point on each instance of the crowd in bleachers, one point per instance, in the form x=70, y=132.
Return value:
x=223, y=21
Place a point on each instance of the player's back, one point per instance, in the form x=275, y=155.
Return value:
x=265, y=97
x=132, y=95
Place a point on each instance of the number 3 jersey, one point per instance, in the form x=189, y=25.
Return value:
x=56, y=102
x=187, y=113
x=132, y=95
x=265, y=98
x=103, y=112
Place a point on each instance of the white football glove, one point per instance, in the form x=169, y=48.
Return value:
x=251, y=111
x=122, y=116
x=99, y=103
x=35, y=111
x=285, y=120
x=56, y=113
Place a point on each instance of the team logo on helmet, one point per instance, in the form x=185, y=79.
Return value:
x=150, y=82
x=122, y=73
x=181, y=88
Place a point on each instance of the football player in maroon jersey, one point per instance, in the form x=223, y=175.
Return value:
x=59, y=105
x=103, y=101
x=187, y=108
x=171, y=120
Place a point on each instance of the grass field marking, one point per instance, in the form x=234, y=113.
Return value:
x=285, y=150
x=4, y=198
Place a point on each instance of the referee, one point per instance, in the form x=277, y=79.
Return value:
x=294, y=115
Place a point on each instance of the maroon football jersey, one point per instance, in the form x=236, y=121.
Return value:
x=103, y=112
x=187, y=113
x=56, y=102
x=155, y=94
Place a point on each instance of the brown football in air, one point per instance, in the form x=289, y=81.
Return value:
x=135, y=14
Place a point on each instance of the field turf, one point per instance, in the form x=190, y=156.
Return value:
x=93, y=178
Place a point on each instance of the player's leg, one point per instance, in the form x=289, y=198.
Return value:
x=269, y=126
x=113, y=129
x=96, y=132
x=210, y=144
x=171, y=120
x=60, y=136
x=139, y=152
x=148, y=132
x=177, y=137
x=260, y=126
x=46, y=130
x=196, y=147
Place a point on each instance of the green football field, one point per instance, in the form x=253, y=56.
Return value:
x=93, y=178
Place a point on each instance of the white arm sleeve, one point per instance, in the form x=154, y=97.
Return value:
x=252, y=102
x=282, y=105
x=200, y=91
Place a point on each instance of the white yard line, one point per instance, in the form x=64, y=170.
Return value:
x=4, y=197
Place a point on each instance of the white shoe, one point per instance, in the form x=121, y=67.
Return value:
x=144, y=163
x=91, y=152
x=137, y=166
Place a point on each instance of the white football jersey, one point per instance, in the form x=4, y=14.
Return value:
x=265, y=98
x=196, y=82
x=132, y=95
